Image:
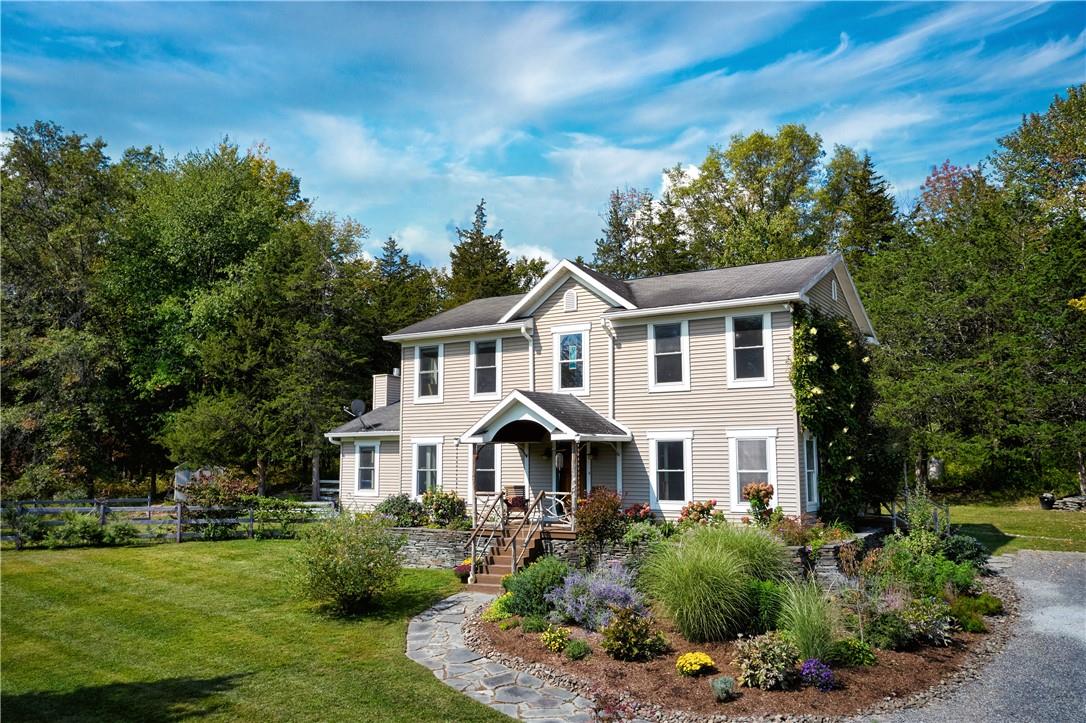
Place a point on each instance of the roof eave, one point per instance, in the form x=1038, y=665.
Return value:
x=385, y=434
x=512, y=326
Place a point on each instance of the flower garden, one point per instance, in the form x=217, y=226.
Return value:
x=712, y=618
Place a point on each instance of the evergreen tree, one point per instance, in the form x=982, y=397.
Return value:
x=870, y=216
x=528, y=272
x=614, y=253
x=402, y=293
x=479, y=263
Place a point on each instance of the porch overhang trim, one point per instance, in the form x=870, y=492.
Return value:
x=559, y=430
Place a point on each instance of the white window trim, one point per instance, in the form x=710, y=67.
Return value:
x=812, y=501
x=569, y=300
x=497, y=393
x=376, y=447
x=424, y=442
x=767, y=351
x=770, y=437
x=497, y=467
x=556, y=336
x=833, y=289
x=440, y=375
x=684, y=347
x=685, y=436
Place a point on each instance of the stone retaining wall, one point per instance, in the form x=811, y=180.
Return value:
x=428, y=547
x=1075, y=503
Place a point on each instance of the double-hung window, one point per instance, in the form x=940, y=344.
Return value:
x=427, y=465
x=486, y=470
x=366, y=473
x=571, y=359
x=670, y=463
x=753, y=457
x=486, y=369
x=428, y=382
x=750, y=350
x=810, y=471
x=669, y=357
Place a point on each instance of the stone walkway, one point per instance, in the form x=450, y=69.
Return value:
x=434, y=640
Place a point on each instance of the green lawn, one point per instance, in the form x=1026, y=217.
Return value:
x=1006, y=528
x=205, y=629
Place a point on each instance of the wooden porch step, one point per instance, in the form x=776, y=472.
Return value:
x=490, y=578
x=484, y=587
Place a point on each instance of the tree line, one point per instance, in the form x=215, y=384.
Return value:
x=198, y=310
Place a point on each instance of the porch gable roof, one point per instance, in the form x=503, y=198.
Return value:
x=564, y=416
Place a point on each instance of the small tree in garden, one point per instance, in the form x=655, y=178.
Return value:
x=345, y=563
x=600, y=517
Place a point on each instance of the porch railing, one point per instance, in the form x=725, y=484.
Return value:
x=487, y=523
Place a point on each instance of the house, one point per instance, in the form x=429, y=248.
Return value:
x=666, y=389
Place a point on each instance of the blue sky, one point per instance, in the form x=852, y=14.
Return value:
x=403, y=115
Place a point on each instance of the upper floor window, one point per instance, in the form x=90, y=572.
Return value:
x=428, y=382
x=486, y=369
x=750, y=350
x=571, y=359
x=810, y=471
x=669, y=357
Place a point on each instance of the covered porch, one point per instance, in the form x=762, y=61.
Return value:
x=557, y=437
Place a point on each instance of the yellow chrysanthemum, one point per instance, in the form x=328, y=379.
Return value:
x=694, y=664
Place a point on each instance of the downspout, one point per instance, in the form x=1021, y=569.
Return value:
x=531, y=356
x=611, y=335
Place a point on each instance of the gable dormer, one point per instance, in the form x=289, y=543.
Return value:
x=612, y=291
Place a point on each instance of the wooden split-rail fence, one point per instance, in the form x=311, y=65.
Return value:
x=174, y=517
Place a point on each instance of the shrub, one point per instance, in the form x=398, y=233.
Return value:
x=851, y=653
x=348, y=561
x=889, y=631
x=599, y=516
x=402, y=510
x=119, y=532
x=578, y=649
x=987, y=604
x=791, y=531
x=443, y=507
x=723, y=688
x=905, y=561
x=78, y=529
x=642, y=533
x=929, y=619
x=966, y=618
x=763, y=556
x=531, y=585
x=639, y=513
x=699, y=513
x=816, y=674
x=554, y=639
x=810, y=617
x=965, y=549
x=227, y=489
x=766, y=661
x=499, y=609
x=534, y=624
x=693, y=664
x=27, y=527
x=275, y=515
x=758, y=495
x=509, y=623
x=587, y=599
x=765, y=602
x=630, y=637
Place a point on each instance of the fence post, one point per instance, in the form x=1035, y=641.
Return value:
x=250, y=523
x=102, y=511
x=179, y=514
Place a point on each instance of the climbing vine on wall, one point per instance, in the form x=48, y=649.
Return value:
x=831, y=376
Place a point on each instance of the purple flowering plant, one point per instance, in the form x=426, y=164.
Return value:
x=817, y=674
x=587, y=598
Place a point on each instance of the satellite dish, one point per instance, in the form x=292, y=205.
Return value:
x=358, y=407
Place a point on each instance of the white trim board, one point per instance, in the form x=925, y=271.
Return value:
x=552, y=280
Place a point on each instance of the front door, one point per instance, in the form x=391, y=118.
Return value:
x=563, y=456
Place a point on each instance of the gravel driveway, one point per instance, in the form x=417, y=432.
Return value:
x=1041, y=674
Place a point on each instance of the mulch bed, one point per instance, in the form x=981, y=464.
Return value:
x=897, y=674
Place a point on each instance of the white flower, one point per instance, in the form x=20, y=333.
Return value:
x=848, y=457
x=835, y=367
x=814, y=331
x=851, y=478
x=816, y=391
x=844, y=431
x=812, y=357
x=851, y=344
x=866, y=359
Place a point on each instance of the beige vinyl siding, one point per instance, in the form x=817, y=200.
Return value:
x=603, y=466
x=388, y=471
x=456, y=413
x=821, y=295
x=551, y=313
x=709, y=409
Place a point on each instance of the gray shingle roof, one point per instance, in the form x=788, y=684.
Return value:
x=481, y=312
x=735, y=282
x=574, y=413
x=382, y=419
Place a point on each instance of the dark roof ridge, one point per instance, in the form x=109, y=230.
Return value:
x=738, y=266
